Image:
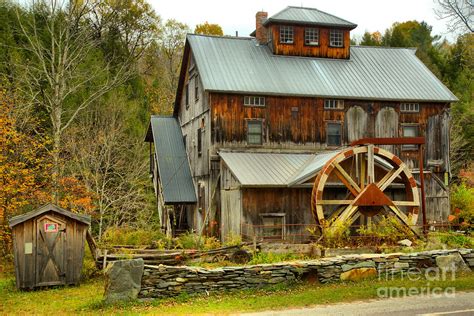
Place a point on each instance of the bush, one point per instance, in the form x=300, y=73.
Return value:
x=388, y=230
x=233, y=239
x=136, y=237
x=462, y=199
x=269, y=257
x=190, y=240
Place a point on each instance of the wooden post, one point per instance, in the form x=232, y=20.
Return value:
x=422, y=185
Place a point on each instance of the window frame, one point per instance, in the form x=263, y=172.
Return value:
x=186, y=95
x=338, y=123
x=281, y=216
x=334, y=32
x=316, y=30
x=199, y=141
x=405, y=107
x=253, y=121
x=251, y=100
x=196, y=88
x=286, y=31
x=334, y=104
x=417, y=133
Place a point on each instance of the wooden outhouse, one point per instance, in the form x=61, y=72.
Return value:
x=48, y=246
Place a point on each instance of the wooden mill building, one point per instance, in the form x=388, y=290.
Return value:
x=255, y=118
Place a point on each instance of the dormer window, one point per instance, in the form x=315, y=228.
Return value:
x=286, y=34
x=336, y=38
x=311, y=36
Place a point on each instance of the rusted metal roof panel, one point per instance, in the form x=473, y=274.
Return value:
x=240, y=65
x=173, y=166
x=300, y=15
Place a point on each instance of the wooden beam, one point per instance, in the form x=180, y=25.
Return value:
x=389, y=177
x=403, y=218
x=370, y=164
x=334, y=202
x=390, y=141
x=406, y=203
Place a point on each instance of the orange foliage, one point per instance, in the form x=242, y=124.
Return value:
x=25, y=175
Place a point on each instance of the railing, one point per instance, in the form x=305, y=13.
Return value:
x=353, y=235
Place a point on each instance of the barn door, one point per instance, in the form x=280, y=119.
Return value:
x=50, y=243
x=386, y=125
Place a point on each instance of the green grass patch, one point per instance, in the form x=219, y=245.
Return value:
x=87, y=298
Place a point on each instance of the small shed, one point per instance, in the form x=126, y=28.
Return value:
x=48, y=246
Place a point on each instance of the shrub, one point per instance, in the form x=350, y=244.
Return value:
x=233, y=239
x=462, y=198
x=387, y=230
x=135, y=237
x=191, y=240
x=269, y=257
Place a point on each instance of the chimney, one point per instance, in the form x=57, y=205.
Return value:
x=260, y=30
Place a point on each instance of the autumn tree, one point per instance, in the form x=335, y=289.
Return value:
x=64, y=76
x=371, y=39
x=209, y=29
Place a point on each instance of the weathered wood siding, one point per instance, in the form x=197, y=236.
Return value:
x=295, y=203
x=55, y=258
x=298, y=48
x=300, y=123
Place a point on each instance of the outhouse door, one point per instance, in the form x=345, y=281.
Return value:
x=50, y=251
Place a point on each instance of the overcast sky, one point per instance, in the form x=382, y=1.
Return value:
x=239, y=15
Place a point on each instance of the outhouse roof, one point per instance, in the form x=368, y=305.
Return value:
x=86, y=219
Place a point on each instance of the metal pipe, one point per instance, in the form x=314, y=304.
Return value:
x=422, y=186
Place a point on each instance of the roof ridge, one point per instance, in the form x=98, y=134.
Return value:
x=315, y=9
x=384, y=47
x=221, y=36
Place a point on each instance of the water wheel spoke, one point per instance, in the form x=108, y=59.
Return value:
x=389, y=178
x=370, y=164
x=346, y=213
x=402, y=217
x=346, y=179
x=406, y=203
x=362, y=172
x=334, y=202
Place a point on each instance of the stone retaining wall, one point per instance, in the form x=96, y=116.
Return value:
x=165, y=281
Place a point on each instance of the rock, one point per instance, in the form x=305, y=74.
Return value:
x=452, y=263
x=362, y=264
x=405, y=242
x=401, y=265
x=276, y=280
x=123, y=280
x=358, y=274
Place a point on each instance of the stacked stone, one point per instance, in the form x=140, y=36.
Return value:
x=165, y=281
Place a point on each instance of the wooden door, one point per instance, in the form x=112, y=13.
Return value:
x=50, y=251
x=386, y=125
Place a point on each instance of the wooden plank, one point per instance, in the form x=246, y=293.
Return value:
x=334, y=202
x=346, y=176
x=389, y=177
x=370, y=164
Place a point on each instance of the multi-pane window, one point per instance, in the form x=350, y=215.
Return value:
x=333, y=104
x=333, y=134
x=186, y=91
x=410, y=131
x=286, y=34
x=254, y=101
x=336, y=38
x=410, y=107
x=311, y=36
x=196, y=88
x=254, y=132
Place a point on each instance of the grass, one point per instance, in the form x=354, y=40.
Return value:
x=87, y=298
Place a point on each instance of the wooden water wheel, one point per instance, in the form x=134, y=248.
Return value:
x=364, y=179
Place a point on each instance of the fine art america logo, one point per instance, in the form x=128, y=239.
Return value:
x=416, y=274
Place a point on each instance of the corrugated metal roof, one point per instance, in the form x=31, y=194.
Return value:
x=300, y=15
x=279, y=169
x=240, y=65
x=264, y=169
x=173, y=166
x=86, y=219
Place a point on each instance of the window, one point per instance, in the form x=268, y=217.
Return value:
x=410, y=131
x=333, y=134
x=409, y=107
x=273, y=226
x=336, y=38
x=254, y=132
x=187, y=95
x=196, y=88
x=333, y=104
x=286, y=34
x=254, y=101
x=294, y=112
x=199, y=141
x=311, y=36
